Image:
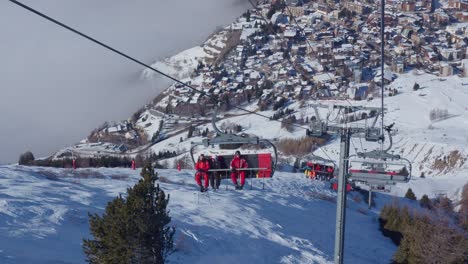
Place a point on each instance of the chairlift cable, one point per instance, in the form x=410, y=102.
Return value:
x=352, y=142
x=382, y=60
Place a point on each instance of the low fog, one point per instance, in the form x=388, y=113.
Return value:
x=56, y=87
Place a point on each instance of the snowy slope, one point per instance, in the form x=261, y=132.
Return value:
x=179, y=66
x=426, y=143
x=43, y=212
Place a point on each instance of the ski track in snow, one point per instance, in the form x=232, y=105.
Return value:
x=43, y=211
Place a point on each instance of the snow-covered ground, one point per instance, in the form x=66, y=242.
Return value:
x=179, y=66
x=436, y=148
x=43, y=212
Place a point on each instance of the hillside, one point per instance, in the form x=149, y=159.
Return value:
x=43, y=212
x=436, y=148
x=430, y=123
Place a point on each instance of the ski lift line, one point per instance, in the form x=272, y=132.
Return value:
x=382, y=59
x=131, y=58
x=360, y=141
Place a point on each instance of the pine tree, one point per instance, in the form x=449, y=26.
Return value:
x=410, y=194
x=444, y=203
x=26, y=158
x=450, y=57
x=133, y=230
x=190, y=131
x=463, y=212
x=425, y=202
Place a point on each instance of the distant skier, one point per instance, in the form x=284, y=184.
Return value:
x=202, y=168
x=238, y=163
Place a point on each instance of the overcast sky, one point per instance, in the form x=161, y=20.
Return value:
x=56, y=87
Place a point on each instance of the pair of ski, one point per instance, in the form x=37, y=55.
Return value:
x=204, y=190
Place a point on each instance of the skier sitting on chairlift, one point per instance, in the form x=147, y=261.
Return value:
x=215, y=177
x=330, y=172
x=238, y=163
x=202, y=168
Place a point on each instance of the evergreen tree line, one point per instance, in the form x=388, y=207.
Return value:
x=281, y=113
x=192, y=132
x=104, y=161
x=157, y=134
x=163, y=155
x=27, y=159
x=434, y=235
x=133, y=229
x=278, y=104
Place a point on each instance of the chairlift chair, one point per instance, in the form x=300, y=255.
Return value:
x=260, y=165
x=319, y=167
x=373, y=134
x=379, y=168
x=317, y=129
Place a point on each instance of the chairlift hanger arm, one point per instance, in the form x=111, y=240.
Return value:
x=317, y=114
x=376, y=119
x=320, y=159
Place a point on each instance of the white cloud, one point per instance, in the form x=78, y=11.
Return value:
x=55, y=86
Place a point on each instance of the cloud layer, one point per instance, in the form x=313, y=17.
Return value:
x=55, y=86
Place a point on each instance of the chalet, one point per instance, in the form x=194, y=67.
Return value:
x=407, y=6
x=324, y=78
x=290, y=33
x=358, y=8
x=451, y=53
x=358, y=91
x=445, y=69
x=398, y=64
x=279, y=18
x=131, y=135
x=296, y=11
x=458, y=4
x=461, y=16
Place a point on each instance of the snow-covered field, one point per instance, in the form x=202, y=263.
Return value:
x=43, y=218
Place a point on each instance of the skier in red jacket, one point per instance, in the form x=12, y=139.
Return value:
x=202, y=168
x=238, y=163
